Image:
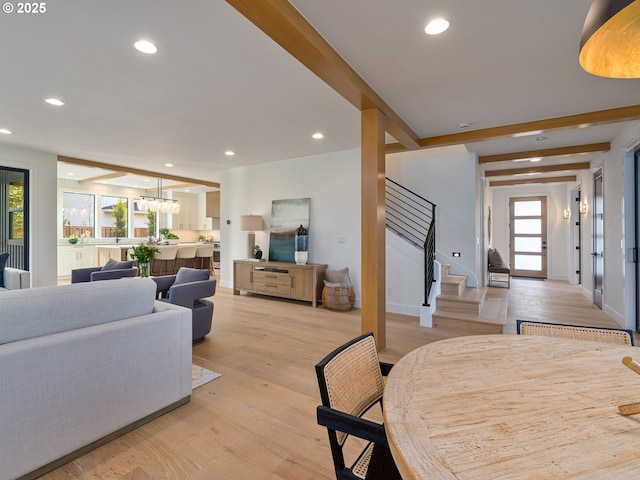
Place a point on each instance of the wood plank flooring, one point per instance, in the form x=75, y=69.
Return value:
x=257, y=421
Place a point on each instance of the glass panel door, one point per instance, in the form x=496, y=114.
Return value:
x=528, y=234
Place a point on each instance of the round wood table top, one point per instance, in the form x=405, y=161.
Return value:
x=513, y=407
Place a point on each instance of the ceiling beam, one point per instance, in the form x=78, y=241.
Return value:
x=289, y=29
x=108, y=176
x=135, y=171
x=169, y=187
x=601, y=117
x=548, y=152
x=538, y=169
x=506, y=183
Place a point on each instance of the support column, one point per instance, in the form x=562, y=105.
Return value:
x=373, y=225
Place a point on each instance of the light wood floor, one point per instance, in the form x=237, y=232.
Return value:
x=257, y=421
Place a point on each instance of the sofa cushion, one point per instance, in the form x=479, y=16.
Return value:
x=3, y=261
x=35, y=312
x=115, y=265
x=188, y=275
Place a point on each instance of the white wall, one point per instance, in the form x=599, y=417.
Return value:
x=558, y=229
x=331, y=181
x=447, y=177
x=42, y=169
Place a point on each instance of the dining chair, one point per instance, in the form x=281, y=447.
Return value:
x=205, y=252
x=578, y=332
x=185, y=257
x=165, y=260
x=350, y=381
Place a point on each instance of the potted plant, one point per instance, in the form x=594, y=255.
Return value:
x=73, y=239
x=143, y=254
x=257, y=253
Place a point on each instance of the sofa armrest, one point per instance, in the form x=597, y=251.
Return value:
x=16, y=279
x=80, y=275
x=186, y=294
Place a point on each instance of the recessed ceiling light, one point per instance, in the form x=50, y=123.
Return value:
x=187, y=190
x=71, y=174
x=168, y=164
x=527, y=134
x=540, y=139
x=526, y=174
x=5, y=131
x=54, y=101
x=535, y=159
x=317, y=135
x=145, y=46
x=463, y=125
x=146, y=180
x=436, y=26
x=229, y=153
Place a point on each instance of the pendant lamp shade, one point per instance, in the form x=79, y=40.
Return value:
x=610, y=42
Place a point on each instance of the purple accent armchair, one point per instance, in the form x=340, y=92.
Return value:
x=93, y=274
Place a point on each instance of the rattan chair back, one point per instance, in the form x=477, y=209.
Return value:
x=351, y=382
x=577, y=332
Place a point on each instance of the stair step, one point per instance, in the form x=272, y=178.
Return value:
x=491, y=320
x=469, y=301
x=453, y=284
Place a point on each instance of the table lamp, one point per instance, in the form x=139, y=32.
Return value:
x=249, y=223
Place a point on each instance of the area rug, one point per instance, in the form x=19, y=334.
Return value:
x=200, y=376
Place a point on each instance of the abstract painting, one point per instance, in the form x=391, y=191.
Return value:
x=286, y=217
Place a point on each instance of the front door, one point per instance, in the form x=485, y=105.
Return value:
x=528, y=236
x=598, y=238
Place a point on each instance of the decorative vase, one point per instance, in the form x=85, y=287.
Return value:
x=301, y=254
x=144, y=269
x=258, y=254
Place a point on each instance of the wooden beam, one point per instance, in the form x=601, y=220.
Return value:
x=170, y=187
x=373, y=299
x=504, y=183
x=108, y=176
x=136, y=171
x=601, y=117
x=541, y=168
x=289, y=29
x=547, y=152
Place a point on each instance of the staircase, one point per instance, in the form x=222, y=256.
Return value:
x=463, y=309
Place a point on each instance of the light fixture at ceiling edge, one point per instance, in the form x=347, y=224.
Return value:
x=158, y=204
x=610, y=41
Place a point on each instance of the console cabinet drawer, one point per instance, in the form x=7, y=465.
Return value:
x=272, y=289
x=272, y=278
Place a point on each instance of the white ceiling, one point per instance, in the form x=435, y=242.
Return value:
x=218, y=83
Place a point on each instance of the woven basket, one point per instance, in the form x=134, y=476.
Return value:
x=338, y=296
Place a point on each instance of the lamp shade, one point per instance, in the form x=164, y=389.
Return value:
x=250, y=223
x=610, y=41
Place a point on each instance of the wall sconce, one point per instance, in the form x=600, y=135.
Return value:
x=566, y=214
x=609, y=40
x=583, y=208
x=249, y=223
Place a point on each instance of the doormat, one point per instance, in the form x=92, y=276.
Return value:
x=200, y=376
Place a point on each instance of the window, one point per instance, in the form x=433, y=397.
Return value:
x=14, y=216
x=114, y=217
x=78, y=215
x=16, y=209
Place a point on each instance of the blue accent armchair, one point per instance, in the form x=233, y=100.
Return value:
x=189, y=288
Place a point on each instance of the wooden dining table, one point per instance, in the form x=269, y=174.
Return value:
x=513, y=407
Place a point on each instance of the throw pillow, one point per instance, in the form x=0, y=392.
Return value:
x=188, y=275
x=338, y=276
x=495, y=259
x=115, y=265
x=3, y=261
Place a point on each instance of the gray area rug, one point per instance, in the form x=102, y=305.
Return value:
x=200, y=376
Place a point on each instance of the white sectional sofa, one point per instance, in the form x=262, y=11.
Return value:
x=15, y=279
x=82, y=363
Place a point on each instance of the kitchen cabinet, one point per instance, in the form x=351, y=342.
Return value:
x=71, y=257
x=187, y=219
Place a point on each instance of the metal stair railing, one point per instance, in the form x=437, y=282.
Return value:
x=412, y=217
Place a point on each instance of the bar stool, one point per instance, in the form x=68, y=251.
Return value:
x=166, y=255
x=185, y=254
x=206, y=251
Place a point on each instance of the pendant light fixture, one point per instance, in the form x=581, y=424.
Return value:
x=610, y=41
x=159, y=204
